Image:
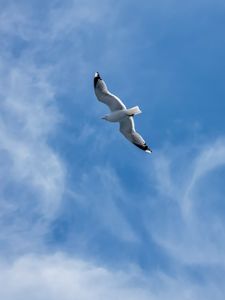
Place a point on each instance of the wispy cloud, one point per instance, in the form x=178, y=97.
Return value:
x=57, y=276
x=192, y=222
x=34, y=175
x=32, y=168
x=43, y=57
x=29, y=115
x=104, y=200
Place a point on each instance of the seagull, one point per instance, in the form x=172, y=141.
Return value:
x=119, y=113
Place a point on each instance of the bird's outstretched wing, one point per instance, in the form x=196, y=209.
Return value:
x=103, y=94
x=128, y=130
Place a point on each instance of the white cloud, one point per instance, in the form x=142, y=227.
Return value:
x=211, y=158
x=192, y=230
x=33, y=175
x=56, y=277
x=29, y=115
x=33, y=179
x=104, y=200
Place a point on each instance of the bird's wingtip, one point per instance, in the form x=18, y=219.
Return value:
x=96, y=78
x=97, y=75
x=148, y=151
x=143, y=147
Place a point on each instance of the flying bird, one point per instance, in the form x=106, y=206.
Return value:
x=119, y=113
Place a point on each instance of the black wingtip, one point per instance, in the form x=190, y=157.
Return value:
x=96, y=78
x=143, y=147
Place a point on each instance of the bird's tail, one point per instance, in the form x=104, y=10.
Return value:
x=133, y=111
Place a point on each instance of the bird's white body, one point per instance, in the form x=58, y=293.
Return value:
x=119, y=113
x=115, y=116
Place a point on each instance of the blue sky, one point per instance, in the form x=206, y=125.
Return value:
x=84, y=214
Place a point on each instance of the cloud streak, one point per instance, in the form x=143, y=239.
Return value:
x=57, y=276
x=44, y=65
x=192, y=223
